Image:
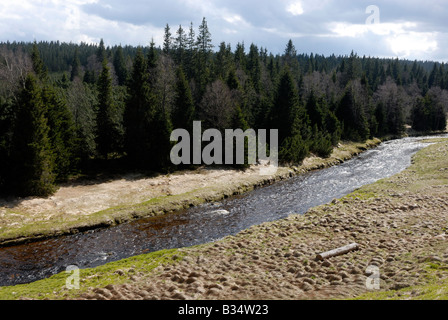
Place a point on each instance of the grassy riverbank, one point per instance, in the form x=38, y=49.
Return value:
x=400, y=224
x=81, y=207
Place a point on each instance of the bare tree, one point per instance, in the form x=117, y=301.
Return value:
x=217, y=105
x=322, y=85
x=164, y=82
x=394, y=99
x=14, y=66
x=440, y=96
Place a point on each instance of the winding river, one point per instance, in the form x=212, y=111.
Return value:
x=30, y=262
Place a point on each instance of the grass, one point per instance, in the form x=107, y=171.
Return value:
x=435, y=289
x=114, y=273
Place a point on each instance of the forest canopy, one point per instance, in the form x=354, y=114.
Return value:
x=70, y=109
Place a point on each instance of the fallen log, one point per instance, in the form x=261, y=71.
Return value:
x=337, y=252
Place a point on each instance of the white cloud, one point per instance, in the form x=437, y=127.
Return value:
x=417, y=44
x=295, y=8
x=344, y=29
x=400, y=38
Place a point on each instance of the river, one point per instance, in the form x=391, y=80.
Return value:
x=209, y=222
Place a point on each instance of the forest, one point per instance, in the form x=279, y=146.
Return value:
x=68, y=110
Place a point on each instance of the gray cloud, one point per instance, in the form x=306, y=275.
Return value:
x=409, y=29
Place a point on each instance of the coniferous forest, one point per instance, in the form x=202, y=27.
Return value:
x=67, y=110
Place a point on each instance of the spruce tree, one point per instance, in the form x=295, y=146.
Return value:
x=352, y=117
x=180, y=45
x=120, y=66
x=101, y=52
x=7, y=113
x=291, y=120
x=184, y=109
x=167, y=40
x=160, y=133
x=107, y=124
x=76, y=66
x=39, y=67
x=31, y=156
x=61, y=133
x=203, y=56
x=287, y=115
x=239, y=122
x=139, y=114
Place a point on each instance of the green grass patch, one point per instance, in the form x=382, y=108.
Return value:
x=435, y=289
x=118, y=272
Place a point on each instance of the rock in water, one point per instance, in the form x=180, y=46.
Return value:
x=221, y=212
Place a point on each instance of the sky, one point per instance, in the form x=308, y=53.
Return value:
x=408, y=29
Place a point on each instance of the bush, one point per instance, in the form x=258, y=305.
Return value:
x=293, y=149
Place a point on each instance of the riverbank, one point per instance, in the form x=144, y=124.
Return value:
x=91, y=205
x=400, y=224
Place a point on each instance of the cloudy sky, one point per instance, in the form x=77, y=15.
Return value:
x=402, y=28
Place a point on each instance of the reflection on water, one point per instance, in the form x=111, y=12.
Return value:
x=205, y=223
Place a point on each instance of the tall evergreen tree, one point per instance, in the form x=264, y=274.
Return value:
x=180, y=45
x=428, y=115
x=184, y=109
x=61, y=132
x=139, y=114
x=352, y=117
x=107, y=122
x=76, y=66
x=203, y=56
x=253, y=64
x=7, y=114
x=167, y=40
x=32, y=170
x=38, y=65
x=101, y=52
x=120, y=66
x=287, y=115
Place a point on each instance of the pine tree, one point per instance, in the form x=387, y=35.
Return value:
x=240, y=56
x=7, y=113
x=428, y=115
x=291, y=120
x=76, y=66
x=222, y=61
x=120, y=66
x=190, y=52
x=204, y=39
x=101, y=52
x=152, y=57
x=254, y=67
x=239, y=122
x=184, y=109
x=161, y=145
x=287, y=115
x=31, y=157
x=107, y=125
x=180, y=45
x=167, y=40
x=352, y=117
x=38, y=65
x=61, y=133
x=314, y=111
x=139, y=113
x=203, y=57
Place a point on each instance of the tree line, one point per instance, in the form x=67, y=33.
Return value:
x=67, y=109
